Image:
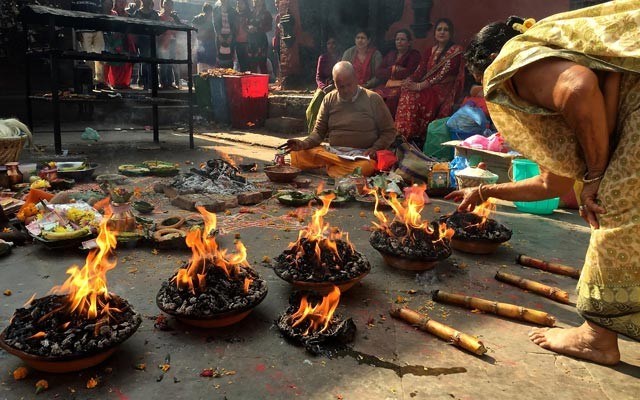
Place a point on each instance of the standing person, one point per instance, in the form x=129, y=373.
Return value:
x=144, y=45
x=275, y=43
x=432, y=90
x=324, y=80
x=260, y=23
x=133, y=7
x=574, y=109
x=117, y=74
x=93, y=41
x=206, y=35
x=396, y=66
x=241, y=37
x=167, y=47
x=365, y=58
x=225, y=19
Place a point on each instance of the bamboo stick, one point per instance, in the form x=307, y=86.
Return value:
x=548, y=266
x=503, y=309
x=424, y=323
x=550, y=292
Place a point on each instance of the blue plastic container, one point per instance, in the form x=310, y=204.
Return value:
x=219, y=102
x=523, y=169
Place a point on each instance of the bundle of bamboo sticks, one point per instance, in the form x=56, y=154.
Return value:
x=550, y=292
x=502, y=309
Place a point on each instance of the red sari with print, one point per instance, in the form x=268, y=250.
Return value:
x=388, y=71
x=445, y=79
x=363, y=70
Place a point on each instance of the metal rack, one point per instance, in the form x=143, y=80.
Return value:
x=53, y=17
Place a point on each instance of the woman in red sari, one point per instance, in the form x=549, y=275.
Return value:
x=118, y=75
x=365, y=58
x=396, y=66
x=432, y=90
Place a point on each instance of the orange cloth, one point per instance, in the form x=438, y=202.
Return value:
x=319, y=157
x=35, y=195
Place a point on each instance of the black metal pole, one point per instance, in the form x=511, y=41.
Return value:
x=27, y=70
x=55, y=100
x=190, y=74
x=154, y=88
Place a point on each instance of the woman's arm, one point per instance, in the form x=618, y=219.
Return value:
x=544, y=186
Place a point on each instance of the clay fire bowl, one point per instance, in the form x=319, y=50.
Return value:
x=408, y=264
x=282, y=173
x=58, y=365
x=323, y=288
x=214, y=321
x=475, y=246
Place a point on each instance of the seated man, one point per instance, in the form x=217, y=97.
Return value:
x=354, y=120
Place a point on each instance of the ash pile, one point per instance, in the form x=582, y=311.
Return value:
x=214, y=177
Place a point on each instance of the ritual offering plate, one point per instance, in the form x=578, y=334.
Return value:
x=143, y=207
x=282, y=173
x=80, y=173
x=39, y=335
x=406, y=242
x=311, y=321
x=476, y=233
x=322, y=257
x=338, y=200
x=170, y=238
x=295, y=198
x=214, y=288
x=133, y=170
x=161, y=168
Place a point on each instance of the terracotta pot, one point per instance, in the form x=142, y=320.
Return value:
x=324, y=287
x=475, y=246
x=407, y=264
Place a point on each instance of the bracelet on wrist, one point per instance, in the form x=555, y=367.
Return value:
x=592, y=180
x=480, y=192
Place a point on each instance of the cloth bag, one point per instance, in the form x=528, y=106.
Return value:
x=438, y=133
x=413, y=165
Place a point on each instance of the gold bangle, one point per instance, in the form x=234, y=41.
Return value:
x=480, y=192
x=596, y=179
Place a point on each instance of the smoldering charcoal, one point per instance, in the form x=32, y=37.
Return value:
x=418, y=245
x=79, y=338
x=222, y=294
x=468, y=226
x=215, y=177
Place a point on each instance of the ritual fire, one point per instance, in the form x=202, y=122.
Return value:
x=218, y=176
x=407, y=242
x=322, y=256
x=475, y=232
x=311, y=321
x=79, y=320
x=214, y=288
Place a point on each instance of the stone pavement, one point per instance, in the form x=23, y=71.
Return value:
x=390, y=360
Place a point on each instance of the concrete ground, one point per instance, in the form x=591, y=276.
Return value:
x=391, y=360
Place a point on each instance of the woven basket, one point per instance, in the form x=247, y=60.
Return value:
x=473, y=181
x=10, y=149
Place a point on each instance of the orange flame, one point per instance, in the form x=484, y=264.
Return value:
x=318, y=316
x=247, y=283
x=86, y=288
x=102, y=204
x=407, y=212
x=205, y=252
x=484, y=210
x=320, y=233
x=38, y=335
x=226, y=157
x=28, y=303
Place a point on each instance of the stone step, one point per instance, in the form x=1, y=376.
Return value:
x=288, y=125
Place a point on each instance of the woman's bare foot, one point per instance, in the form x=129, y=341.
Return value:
x=588, y=342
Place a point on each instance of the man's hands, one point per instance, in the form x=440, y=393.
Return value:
x=371, y=153
x=293, y=145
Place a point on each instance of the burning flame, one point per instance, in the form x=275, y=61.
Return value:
x=320, y=233
x=205, y=252
x=38, y=335
x=247, y=283
x=318, y=316
x=226, y=157
x=408, y=213
x=484, y=210
x=86, y=288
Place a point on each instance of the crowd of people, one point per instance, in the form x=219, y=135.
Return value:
x=227, y=37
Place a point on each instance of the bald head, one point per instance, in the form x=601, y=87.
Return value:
x=344, y=77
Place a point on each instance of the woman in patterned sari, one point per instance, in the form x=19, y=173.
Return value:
x=434, y=87
x=396, y=66
x=565, y=94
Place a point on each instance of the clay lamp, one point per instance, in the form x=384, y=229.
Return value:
x=321, y=257
x=475, y=232
x=214, y=288
x=311, y=321
x=80, y=324
x=406, y=242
